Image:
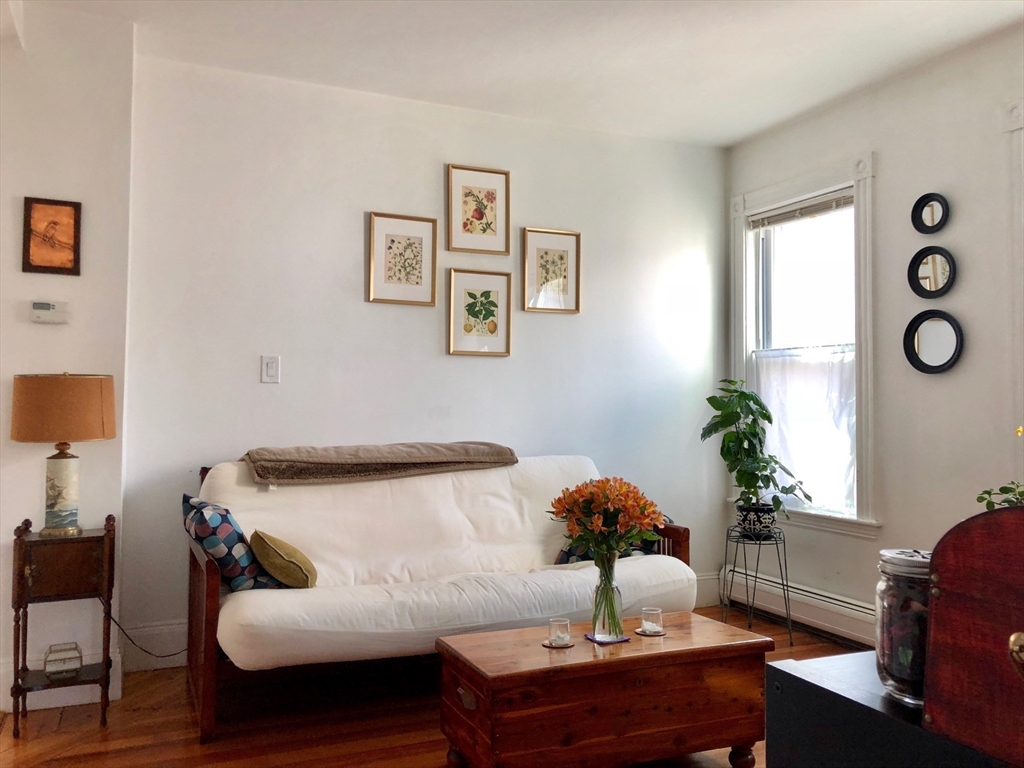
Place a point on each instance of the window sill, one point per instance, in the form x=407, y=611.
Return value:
x=847, y=526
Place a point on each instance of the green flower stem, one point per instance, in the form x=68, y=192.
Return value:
x=604, y=594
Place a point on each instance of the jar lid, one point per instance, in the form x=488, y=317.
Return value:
x=905, y=562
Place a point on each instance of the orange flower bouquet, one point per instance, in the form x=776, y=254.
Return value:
x=607, y=516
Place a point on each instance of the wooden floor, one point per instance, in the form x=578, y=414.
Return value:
x=153, y=725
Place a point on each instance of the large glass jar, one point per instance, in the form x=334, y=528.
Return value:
x=901, y=622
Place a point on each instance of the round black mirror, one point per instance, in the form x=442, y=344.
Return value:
x=931, y=272
x=933, y=341
x=930, y=213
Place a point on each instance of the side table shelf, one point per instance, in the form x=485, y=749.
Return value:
x=50, y=570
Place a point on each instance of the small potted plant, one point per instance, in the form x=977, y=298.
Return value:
x=1009, y=495
x=741, y=415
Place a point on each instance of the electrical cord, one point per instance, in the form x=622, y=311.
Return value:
x=130, y=640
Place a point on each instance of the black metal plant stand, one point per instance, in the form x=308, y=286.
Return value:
x=737, y=537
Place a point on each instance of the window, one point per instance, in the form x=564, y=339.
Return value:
x=804, y=361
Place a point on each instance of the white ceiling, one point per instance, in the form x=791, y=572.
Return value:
x=703, y=71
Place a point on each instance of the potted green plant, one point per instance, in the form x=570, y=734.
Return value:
x=740, y=415
x=1009, y=495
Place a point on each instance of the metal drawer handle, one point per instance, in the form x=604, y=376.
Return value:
x=468, y=699
x=1017, y=652
x=30, y=571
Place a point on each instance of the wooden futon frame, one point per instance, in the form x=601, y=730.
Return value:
x=210, y=671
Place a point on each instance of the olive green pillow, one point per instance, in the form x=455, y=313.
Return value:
x=283, y=561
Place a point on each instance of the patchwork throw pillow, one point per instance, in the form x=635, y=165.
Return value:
x=581, y=553
x=283, y=560
x=215, y=530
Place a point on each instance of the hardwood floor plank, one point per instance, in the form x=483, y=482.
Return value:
x=154, y=725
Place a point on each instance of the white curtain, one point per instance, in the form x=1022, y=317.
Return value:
x=811, y=392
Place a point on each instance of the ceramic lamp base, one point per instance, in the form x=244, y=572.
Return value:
x=61, y=494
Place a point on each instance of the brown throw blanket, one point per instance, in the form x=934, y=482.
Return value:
x=355, y=463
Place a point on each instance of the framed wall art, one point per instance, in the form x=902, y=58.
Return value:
x=479, y=313
x=403, y=259
x=551, y=270
x=478, y=210
x=52, y=234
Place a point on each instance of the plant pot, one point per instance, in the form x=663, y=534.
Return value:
x=757, y=521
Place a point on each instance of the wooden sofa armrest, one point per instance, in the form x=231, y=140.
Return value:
x=203, y=613
x=675, y=542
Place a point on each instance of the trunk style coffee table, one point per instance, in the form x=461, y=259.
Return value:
x=508, y=701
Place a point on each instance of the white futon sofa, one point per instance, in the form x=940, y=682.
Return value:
x=401, y=562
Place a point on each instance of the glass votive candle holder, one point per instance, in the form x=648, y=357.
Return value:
x=558, y=632
x=650, y=621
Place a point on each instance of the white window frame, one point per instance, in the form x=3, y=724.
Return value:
x=858, y=173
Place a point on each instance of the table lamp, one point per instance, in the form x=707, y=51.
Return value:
x=62, y=408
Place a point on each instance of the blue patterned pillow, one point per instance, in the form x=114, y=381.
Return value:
x=581, y=553
x=215, y=530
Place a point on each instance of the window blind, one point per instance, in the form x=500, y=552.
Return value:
x=832, y=201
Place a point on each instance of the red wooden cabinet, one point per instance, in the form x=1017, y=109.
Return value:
x=973, y=694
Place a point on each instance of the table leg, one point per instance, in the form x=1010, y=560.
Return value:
x=15, y=687
x=105, y=683
x=24, y=660
x=456, y=759
x=742, y=757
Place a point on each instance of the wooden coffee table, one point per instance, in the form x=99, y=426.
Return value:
x=508, y=701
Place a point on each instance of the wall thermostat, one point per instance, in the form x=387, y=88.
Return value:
x=52, y=312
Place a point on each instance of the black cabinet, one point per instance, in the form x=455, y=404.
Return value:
x=833, y=712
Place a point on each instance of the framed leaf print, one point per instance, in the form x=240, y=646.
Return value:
x=51, y=238
x=403, y=259
x=479, y=313
x=478, y=210
x=551, y=270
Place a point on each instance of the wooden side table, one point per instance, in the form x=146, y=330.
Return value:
x=48, y=570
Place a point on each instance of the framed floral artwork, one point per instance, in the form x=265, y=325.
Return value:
x=51, y=237
x=403, y=259
x=479, y=313
x=478, y=210
x=551, y=270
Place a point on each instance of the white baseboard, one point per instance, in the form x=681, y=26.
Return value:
x=707, y=590
x=839, y=615
x=160, y=638
x=61, y=697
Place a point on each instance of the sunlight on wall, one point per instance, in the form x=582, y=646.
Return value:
x=682, y=308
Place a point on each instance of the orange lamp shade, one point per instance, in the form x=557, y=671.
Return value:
x=63, y=408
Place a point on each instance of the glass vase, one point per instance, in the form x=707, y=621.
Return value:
x=607, y=623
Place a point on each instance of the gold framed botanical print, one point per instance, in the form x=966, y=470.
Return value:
x=551, y=270
x=402, y=263
x=478, y=210
x=479, y=313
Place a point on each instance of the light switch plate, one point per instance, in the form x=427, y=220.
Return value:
x=270, y=369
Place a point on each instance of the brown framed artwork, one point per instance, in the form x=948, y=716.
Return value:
x=478, y=210
x=479, y=313
x=551, y=270
x=52, y=237
x=402, y=260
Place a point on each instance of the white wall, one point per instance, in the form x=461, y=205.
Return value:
x=939, y=439
x=65, y=133
x=249, y=206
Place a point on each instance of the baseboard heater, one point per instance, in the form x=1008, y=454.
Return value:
x=839, y=615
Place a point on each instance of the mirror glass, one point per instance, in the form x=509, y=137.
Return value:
x=935, y=341
x=932, y=213
x=933, y=272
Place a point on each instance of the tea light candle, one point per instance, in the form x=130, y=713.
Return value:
x=558, y=632
x=650, y=621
